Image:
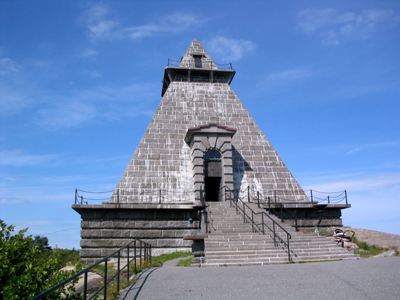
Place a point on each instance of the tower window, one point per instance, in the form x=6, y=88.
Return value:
x=197, y=61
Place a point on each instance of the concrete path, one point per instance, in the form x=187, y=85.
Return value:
x=374, y=278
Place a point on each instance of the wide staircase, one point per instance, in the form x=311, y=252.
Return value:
x=232, y=242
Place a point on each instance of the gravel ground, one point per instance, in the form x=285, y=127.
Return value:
x=374, y=278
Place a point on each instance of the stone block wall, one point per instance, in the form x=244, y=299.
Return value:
x=104, y=231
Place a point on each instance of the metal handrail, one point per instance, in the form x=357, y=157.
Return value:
x=210, y=64
x=82, y=197
x=144, y=256
x=263, y=224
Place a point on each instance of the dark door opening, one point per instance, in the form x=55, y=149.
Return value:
x=213, y=175
x=212, y=186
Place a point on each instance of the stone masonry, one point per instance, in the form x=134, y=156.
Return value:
x=159, y=197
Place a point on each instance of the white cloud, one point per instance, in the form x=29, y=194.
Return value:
x=93, y=74
x=229, y=50
x=332, y=26
x=88, y=53
x=18, y=158
x=288, y=75
x=359, y=184
x=12, y=100
x=65, y=115
x=7, y=66
x=103, y=26
x=100, y=102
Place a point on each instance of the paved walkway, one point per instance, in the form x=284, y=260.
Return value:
x=374, y=278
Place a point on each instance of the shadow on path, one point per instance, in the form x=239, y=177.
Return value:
x=135, y=289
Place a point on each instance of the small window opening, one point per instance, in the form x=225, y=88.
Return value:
x=197, y=61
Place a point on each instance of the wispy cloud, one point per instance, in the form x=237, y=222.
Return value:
x=360, y=184
x=332, y=25
x=65, y=115
x=288, y=75
x=53, y=110
x=18, y=158
x=7, y=66
x=349, y=149
x=228, y=49
x=101, y=25
x=12, y=100
x=88, y=53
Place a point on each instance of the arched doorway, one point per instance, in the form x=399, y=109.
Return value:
x=212, y=175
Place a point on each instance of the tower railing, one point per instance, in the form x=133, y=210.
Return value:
x=208, y=64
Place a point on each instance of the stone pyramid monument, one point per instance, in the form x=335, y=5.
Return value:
x=201, y=143
x=198, y=101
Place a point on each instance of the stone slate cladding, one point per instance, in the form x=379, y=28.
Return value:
x=162, y=159
x=158, y=198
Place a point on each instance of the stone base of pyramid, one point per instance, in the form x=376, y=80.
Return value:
x=108, y=227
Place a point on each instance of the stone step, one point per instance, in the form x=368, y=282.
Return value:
x=258, y=260
x=246, y=256
x=243, y=252
x=240, y=248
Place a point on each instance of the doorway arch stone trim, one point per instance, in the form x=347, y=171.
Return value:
x=206, y=137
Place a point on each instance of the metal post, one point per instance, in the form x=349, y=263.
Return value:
x=248, y=193
x=281, y=212
x=345, y=196
x=140, y=255
x=328, y=200
x=134, y=257
x=81, y=199
x=312, y=200
x=252, y=220
x=159, y=196
x=127, y=267
x=76, y=196
x=105, y=279
x=262, y=221
x=118, y=196
x=295, y=221
x=258, y=199
x=244, y=213
x=118, y=267
x=288, y=248
x=274, y=232
x=269, y=204
x=150, y=254
x=275, y=197
x=85, y=286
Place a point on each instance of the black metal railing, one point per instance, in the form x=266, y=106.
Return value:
x=136, y=254
x=85, y=197
x=265, y=223
x=204, y=65
x=328, y=197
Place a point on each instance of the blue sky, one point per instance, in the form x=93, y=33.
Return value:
x=80, y=81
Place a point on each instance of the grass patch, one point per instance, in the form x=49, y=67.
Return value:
x=367, y=250
x=157, y=261
x=185, y=262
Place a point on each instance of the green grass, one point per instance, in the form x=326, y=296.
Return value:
x=367, y=250
x=185, y=262
x=157, y=261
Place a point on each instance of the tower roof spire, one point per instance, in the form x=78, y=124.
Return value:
x=197, y=57
x=196, y=66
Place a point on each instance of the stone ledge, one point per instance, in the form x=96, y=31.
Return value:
x=106, y=206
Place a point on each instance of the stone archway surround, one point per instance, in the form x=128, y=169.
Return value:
x=203, y=138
